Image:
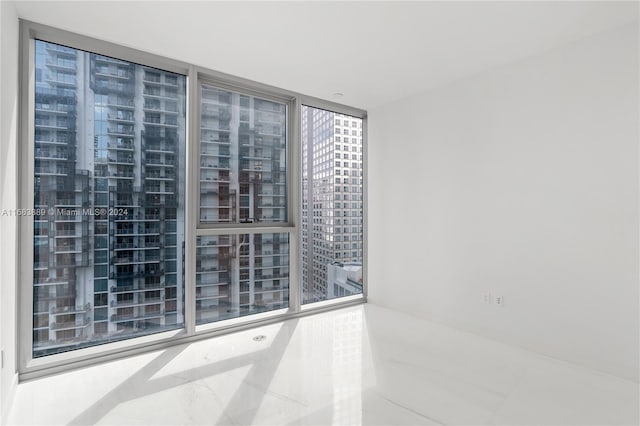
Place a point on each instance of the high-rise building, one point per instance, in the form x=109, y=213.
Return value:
x=332, y=198
x=109, y=257
x=344, y=279
x=109, y=172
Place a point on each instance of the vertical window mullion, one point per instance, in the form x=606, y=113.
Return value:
x=295, y=206
x=26, y=199
x=192, y=198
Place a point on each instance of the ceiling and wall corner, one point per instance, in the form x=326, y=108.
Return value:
x=372, y=52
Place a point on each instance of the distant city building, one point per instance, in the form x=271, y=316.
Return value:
x=343, y=279
x=332, y=178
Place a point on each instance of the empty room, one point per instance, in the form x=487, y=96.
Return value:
x=319, y=213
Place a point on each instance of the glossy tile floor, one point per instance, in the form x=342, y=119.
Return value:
x=359, y=365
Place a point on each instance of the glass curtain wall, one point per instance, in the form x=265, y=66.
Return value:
x=110, y=220
x=109, y=199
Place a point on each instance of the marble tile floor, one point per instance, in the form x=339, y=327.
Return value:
x=357, y=365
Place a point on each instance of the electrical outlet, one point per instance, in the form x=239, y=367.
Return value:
x=500, y=301
x=486, y=298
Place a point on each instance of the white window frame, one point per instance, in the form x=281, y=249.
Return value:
x=30, y=367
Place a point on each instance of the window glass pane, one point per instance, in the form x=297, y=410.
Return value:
x=242, y=158
x=109, y=182
x=238, y=275
x=329, y=271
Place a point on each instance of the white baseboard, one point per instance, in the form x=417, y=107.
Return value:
x=8, y=400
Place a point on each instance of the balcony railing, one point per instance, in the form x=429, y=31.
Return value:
x=130, y=317
x=137, y=288
x=128, y=303
x=71, y=309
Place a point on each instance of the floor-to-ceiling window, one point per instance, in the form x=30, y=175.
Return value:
x=162, y=201
x=243, y=183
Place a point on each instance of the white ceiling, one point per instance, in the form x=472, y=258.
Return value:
x=373, y=52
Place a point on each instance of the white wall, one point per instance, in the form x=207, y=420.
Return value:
x=8, y=144
x=521, y=181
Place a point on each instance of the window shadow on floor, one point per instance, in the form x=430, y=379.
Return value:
x=264, y=364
